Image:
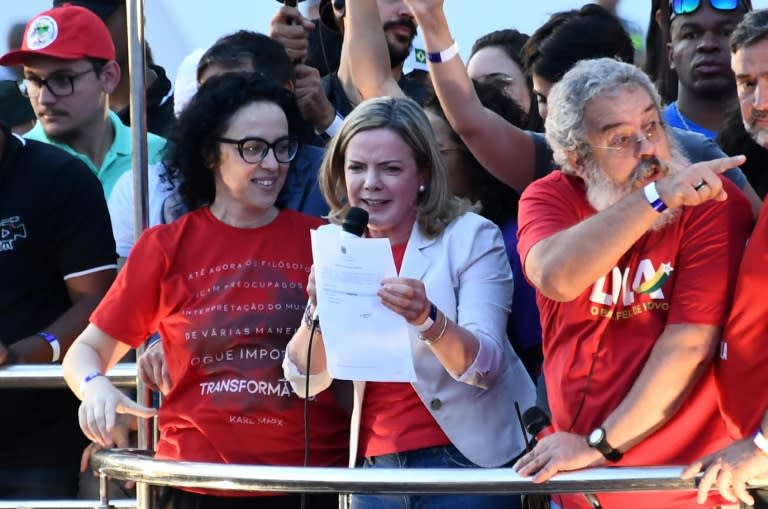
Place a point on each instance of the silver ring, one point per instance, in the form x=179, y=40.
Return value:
x=701, y=184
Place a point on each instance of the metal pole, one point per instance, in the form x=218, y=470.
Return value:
x=136, y=69
x=103, y=492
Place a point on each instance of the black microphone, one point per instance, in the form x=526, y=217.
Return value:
x=356, y=222
x=354, y=225
x=537, y=423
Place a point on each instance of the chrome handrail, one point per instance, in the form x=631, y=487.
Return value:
x=123, y=503
x=132, y=464
x=51, y=376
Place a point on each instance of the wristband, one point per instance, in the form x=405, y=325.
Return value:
x=54, y=342
x=653, y=199
x=87, y=379
x=429, y=321
x=445, y=55
x=761, y=442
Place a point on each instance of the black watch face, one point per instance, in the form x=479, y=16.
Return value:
x=596, y=436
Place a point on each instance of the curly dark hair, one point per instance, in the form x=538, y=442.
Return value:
x=195, y=151
x=498, y=201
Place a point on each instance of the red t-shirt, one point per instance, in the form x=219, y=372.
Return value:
x=226, y=301
x=393, y=417
x=693, y=263
x=742, y=364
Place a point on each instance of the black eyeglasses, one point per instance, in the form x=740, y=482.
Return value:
x=681, y=7
x=60, y=85
x=253, y=150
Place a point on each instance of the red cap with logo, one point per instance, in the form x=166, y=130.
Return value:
x=68, y=32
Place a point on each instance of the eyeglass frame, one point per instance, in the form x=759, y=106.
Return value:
x=269, y=146
x=658, y=127
x=40, y=82
x=673, y=14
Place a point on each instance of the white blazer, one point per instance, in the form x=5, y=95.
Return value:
x=467, y=276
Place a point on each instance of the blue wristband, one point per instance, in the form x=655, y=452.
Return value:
x=89, y=377
x=55, y=345
x=652, y=197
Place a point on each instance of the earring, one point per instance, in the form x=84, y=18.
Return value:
x=422, y=188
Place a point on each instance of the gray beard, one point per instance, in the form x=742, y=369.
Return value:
x=760, y=136
x=602, y=192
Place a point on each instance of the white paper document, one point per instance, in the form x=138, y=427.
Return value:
x=363, y=339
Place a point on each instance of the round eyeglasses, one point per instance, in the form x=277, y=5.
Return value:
x=253, y=150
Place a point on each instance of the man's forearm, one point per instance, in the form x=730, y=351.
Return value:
x=681, y=355
x=564, y=265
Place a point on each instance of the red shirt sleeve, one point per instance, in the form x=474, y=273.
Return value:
x=548, y=206
x=129, y=310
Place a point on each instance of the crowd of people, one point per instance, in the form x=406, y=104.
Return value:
x=569, y=231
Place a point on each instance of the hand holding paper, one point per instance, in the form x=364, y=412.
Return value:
x=364, y=339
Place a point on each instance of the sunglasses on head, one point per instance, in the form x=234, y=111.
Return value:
x=681, y=7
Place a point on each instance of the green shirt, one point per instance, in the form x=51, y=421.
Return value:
x=117, y=160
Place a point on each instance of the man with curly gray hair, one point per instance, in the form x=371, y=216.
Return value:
x=633, y=252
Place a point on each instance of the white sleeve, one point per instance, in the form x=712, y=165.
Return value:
x=120, y=206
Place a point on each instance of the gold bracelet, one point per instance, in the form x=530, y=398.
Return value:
x=432, y=341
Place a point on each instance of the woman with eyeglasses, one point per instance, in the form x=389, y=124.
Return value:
x=225, y=287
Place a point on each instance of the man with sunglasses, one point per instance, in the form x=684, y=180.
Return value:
x=742, y=375
x=69, y=71
x=698, y=53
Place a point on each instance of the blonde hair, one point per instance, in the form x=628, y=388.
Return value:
x=436, y=206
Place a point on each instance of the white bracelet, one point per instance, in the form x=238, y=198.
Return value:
x=445, y=55
x=761, y=442
x=55, y=345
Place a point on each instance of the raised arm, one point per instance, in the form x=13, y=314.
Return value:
x=504, y=150
x=365, y=70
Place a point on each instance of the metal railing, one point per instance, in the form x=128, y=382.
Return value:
x=39, y=376
x=137, y=465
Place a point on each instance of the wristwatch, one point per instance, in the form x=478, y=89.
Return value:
x=596, y=440
x=430, y=320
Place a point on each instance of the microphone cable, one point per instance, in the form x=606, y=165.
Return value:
x=315, y=324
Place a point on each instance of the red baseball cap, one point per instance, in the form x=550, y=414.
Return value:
x=68, y=32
